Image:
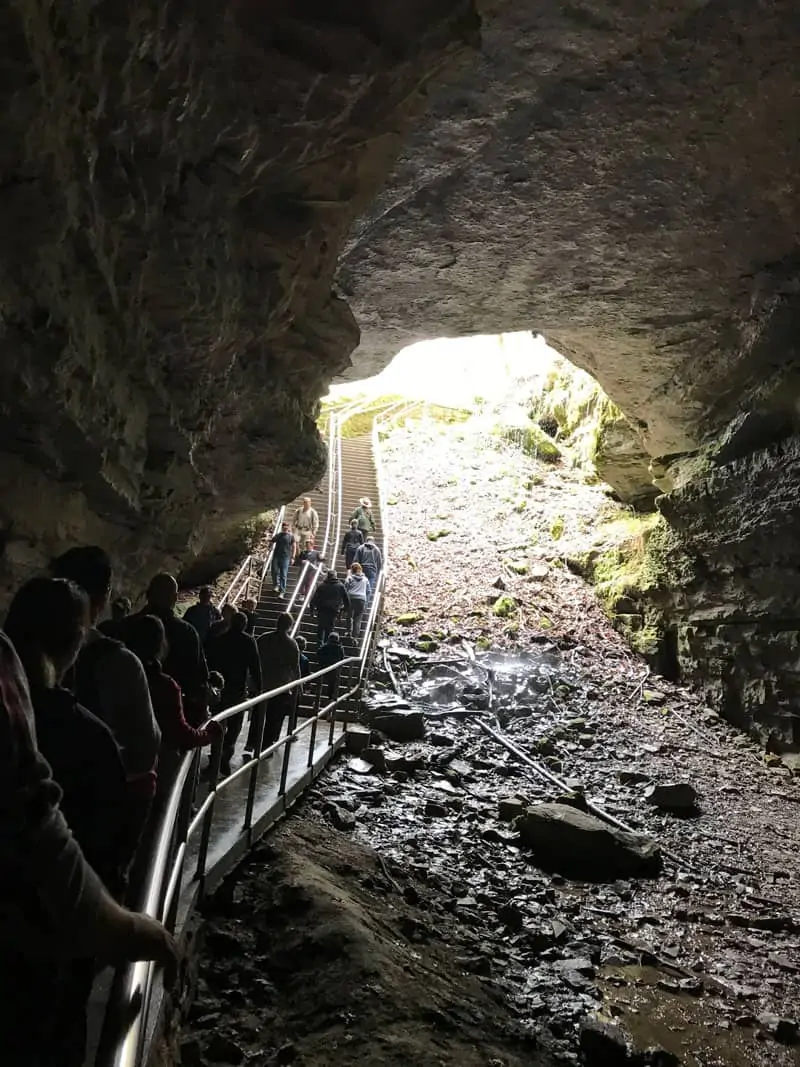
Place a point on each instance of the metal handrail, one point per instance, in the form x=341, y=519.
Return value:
x=135, y=983
x=228, y=597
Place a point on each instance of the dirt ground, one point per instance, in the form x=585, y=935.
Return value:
x=315, y=957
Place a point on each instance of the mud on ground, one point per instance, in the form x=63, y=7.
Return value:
x=313, y=957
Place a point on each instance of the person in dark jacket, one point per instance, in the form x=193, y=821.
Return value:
x=54, y=909
x=280, y=664
x=371, y=560
x=148, y=639
x=185, y=661
x=203, y=614
x=235, y=655
x=109, y=681
x=329, y=599
x=249, y=606
x=328, y=655
x=351, y=542
x=47, y=621
x=315, y=560
x=284, y=550
x=114, y=627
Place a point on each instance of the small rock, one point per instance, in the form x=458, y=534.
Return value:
x=360, y=766
x=632, y=777
x=511, y=916
x=509, y=808
x=652, y=696
x=376, y=757
x=410, y=895
x=677, y=797
x=400, y=724
x=498, y=583
x=191, y=1053
x=441, y=740
x=356, y=739
x=783, y=1030
x=340, y=818
x=481, y=965
x=573, y=800
x=222, y=1050
x=604, y=1045
x=435, y=810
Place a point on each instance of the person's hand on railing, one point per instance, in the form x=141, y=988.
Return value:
x=133, y=937
x=213, y=730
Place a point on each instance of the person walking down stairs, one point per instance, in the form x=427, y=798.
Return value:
x=284, y=550
x=306, y=523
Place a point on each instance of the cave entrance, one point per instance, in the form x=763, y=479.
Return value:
x=516, y=383
x=509, y=440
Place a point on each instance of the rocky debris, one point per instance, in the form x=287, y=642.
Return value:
x=574, y=841
x=604, y=1044
x=320, y=923
x=376, y=757
x=680, y=798
x=509, y=808
x=357, y=739
x=399, y=724
x=784, y=1030
x=435, y=810
x=340, y=817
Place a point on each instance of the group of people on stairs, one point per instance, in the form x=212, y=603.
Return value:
x=96, y=713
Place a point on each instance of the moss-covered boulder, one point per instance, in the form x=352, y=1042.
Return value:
x=533, y=441
x=408, y=618
x=504, y=606
x=437, y=534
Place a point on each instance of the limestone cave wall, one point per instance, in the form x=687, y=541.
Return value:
x=201, y=201
x=177, y=180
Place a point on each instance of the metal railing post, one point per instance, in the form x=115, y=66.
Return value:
x=312, y=743
x=208, y=818
x=181, y=829
x=260, y=713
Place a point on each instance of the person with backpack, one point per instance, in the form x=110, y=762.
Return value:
x=357, y=588
x=306, y=523
x=109, y=681
x=370, y=558
x=314, y=558
x=351, y=542
x=203, y=614
x=46, y=621
x=54, y=909
x=329, y=599
x=363, y=516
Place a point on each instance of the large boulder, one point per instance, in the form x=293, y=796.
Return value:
x=580, y=845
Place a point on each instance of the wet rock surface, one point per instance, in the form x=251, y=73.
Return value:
x=675, y=967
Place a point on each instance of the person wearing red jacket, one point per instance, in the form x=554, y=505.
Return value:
x=146, y=637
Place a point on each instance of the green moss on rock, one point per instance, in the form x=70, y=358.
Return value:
x=437, y=535
x=504, y=606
